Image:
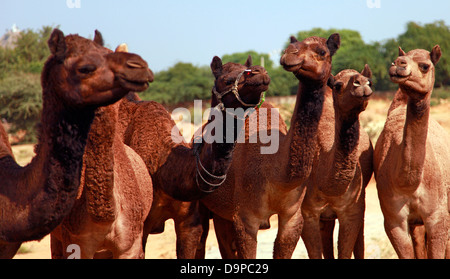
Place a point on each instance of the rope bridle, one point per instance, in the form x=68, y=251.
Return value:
x=198, y=140
x=235, y=91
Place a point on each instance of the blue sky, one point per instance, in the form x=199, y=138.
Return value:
x=168, y=31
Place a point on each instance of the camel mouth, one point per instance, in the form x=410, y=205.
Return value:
x=399, y=75
x=293, y=68
x=396, y=78
x=133, y=85
x=258, y=79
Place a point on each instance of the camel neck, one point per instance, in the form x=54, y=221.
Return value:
x=219, y=156
x=344, y=154
x=302, y=135
x=44, y=191
x=411, y=162
x=99, y=164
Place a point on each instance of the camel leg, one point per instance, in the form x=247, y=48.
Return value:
x=205, y=216
x=349, y=230
x=9, y=250
x=127, y=245
x=419, y=240
x=224, y=233
x=246, y=238
x=359, y=249
x=56, y=247
x=189, y=232
x=326, y=232
x=289, y=231
x=397, y=231
x=437, y=236
x=447, y=250
x=311, y=236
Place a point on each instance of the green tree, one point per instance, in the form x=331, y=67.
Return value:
x=21, y=103
x=180, y=83
x=241, y=57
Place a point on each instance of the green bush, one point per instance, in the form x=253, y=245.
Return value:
x=21, y=102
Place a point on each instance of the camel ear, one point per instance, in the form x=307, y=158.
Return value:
x=249, y=62
x=216, y=66
x=401, y=52
x=293, y=40
x=98, y=38
x=367, y=72
x=333, y=43
x=57, y=45
x=435, y=54
x=122, y=48
x=330, y=81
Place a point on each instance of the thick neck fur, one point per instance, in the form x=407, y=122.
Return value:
x=344, y=154
x=50, y=182
x=99, y=165
x=303, y=132
x=411, y=162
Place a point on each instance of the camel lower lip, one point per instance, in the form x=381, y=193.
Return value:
x=290, y=68
x=135, y=85
x=398, y=78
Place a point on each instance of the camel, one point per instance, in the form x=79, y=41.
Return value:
x=116, y=197
x=151, y=134
x=336, y=188
x=260, y=185
x=411, y=161
x=78, y=77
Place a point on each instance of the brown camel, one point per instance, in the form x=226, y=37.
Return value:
x=5, y=146
x=342, y=170
x=78, y=77
x=151, y=133
x=116, y=193
x=260, y=185
x=411, y=161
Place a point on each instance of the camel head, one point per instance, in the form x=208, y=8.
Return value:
x=414, y=71
x=311, y=58
x=250, y=82
x=84, y=73
x=351, y=90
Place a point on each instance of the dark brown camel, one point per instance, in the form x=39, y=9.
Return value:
x=173, y=165
x=260, y=185
x=116, y=195
x=78, y=77
x=411, y=161
x=342, y=170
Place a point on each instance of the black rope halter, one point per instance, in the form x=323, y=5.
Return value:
x=235, y=91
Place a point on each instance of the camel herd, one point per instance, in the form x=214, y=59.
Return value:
x=109, y=171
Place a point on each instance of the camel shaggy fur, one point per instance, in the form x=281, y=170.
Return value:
x=342, y=170
x=411, y=161
x=79, y=76
x=116, y=191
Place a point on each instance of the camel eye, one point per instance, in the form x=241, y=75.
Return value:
x=321, y=52
x=87, y=69
x=424, y=67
